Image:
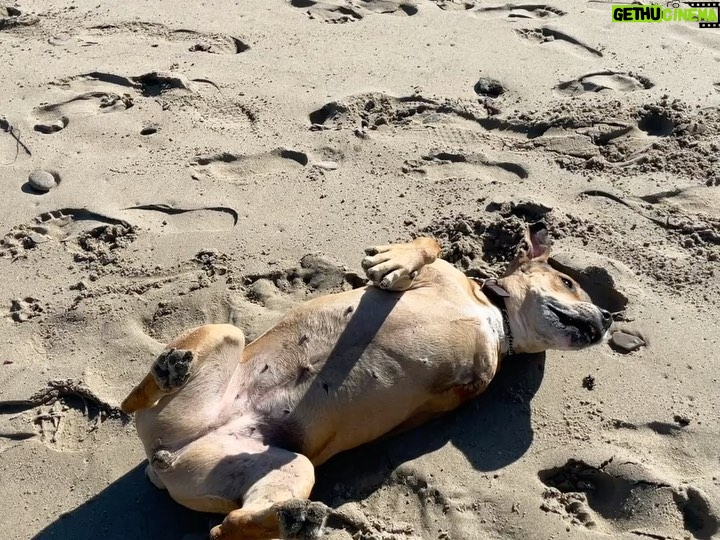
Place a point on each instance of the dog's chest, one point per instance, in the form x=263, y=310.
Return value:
x=488, y=319
x=468, y=358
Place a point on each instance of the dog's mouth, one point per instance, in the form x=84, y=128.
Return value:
x=582, y=330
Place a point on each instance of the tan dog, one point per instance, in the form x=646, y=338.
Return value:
x=238, y=429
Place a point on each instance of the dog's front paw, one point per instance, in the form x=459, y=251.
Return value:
x=392, y=267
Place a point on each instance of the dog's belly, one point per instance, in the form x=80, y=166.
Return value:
x=346, y=369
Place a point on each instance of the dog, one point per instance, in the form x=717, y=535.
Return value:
x=238, y=429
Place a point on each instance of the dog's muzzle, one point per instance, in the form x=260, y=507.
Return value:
x=585, y=324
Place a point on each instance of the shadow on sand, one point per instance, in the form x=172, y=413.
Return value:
x=130, y=508
x=492, y=431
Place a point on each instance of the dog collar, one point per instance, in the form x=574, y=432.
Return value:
x=496, y=294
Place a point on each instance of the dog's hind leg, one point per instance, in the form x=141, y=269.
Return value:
x=263, y=489
x=182, y=360
x=276, y=505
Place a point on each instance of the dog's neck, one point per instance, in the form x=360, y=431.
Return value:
x=496, y=295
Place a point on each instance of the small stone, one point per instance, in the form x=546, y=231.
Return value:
x=327, y=165
x=148, y=129
x=489, y=87
x=42, y=180
x=625, y=343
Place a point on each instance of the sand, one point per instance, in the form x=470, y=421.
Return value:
x=200, y=151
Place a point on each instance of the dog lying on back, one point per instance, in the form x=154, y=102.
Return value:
x=238, y=429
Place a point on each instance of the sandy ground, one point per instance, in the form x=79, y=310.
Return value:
x=200, y=150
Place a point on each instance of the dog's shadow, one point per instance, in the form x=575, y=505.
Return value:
x=493, y=431
x=130, y=508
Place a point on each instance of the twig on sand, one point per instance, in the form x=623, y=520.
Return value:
x=14, y=132
x=58, y=389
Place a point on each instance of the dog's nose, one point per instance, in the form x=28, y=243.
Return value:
x=606, y=317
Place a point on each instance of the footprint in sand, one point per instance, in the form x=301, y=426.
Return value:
x=148, y=84
x=172, y=87
x=92, y=236
x=101, y=94
x=86, y=228
x=511, y=11
x=173, y=219
x=519, y=11
x=557, y=38
x=447, y=165
x=619, y=496
x=213, y=43
x=345, y=12
x=373, y=111
x=241, y=169
x=54, y=117
x=604, y=81
x=453, y=121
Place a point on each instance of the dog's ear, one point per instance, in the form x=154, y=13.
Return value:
x=537, y=242
x=535, y=246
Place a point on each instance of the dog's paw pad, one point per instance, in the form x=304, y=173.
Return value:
x=303, y=520
x=162, y=459
x=172, y=368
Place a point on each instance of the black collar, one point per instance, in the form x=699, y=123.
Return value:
x=496, y=294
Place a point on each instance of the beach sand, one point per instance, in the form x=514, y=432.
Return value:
x=197, y=152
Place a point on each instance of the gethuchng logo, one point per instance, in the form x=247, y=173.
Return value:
x=704, y=13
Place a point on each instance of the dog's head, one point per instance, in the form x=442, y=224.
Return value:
x=548, y=309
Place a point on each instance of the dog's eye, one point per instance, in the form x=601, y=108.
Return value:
x=568, y=283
